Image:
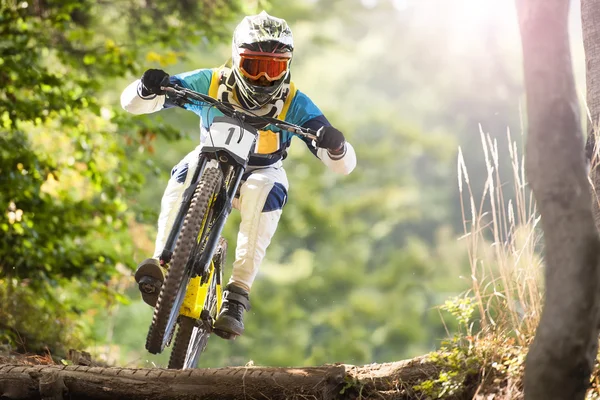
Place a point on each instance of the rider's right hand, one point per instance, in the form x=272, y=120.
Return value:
x=151, y=81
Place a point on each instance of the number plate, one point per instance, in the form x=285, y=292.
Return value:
x=227, y=134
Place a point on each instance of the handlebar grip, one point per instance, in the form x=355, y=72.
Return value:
x=166, y=81
x=311, y=136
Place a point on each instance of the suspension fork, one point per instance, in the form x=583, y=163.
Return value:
x=167, y=253
x=228, y=194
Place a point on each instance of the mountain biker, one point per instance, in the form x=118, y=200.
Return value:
x=258, y=79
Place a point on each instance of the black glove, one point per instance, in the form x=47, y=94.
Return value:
x=330, y=138
x=152, y=80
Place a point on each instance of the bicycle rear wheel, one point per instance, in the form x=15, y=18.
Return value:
x=187, y=332
x=180, y=271
x=192, y=336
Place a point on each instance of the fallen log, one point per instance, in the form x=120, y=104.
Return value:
x=55, y=382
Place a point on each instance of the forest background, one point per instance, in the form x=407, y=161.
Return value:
x=360, y=265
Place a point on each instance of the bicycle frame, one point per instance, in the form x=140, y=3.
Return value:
x=196, y=293
x=233, y=167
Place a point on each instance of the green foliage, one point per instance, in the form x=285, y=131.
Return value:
x=457, y=369
x=352, y=385
x=48, y=230
x=484, y=362
x=35, y=320
x=462, y=309
x=456, y=357
x=66, y=168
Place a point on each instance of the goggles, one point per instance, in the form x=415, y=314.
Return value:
x=254, y=66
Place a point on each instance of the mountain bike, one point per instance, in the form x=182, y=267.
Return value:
x=191, y=294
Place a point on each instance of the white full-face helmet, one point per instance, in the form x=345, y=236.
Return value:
x=262, y=52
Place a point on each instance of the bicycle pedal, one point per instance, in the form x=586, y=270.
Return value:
x=149, y=285
x=225, y=335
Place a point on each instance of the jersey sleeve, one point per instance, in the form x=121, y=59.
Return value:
x=198, y=80
x=302, y=109
x=315, y=123
x=133, y=101
x=305, y=113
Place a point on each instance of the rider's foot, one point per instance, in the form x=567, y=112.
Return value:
x=230, y=322
x=150, y=277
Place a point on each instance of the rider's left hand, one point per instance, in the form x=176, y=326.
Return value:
x=330, y=138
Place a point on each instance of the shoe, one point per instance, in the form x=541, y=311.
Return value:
x=230, y=322
x=150, y=277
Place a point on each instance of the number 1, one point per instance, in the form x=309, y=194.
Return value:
x=231, y=132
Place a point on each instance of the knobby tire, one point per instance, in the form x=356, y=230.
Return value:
x=185, y=342
x=182, y=341
x=177, y=276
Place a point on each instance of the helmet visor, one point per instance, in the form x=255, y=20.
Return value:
x=255, y=66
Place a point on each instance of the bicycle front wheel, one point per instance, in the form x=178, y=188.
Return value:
x=192, y=336
x=180, y=271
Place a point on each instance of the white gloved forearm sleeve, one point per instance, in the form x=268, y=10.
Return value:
x=132, y=101
x=342, y=164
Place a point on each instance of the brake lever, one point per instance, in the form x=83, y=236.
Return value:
x=299, y=131
x=172, y=90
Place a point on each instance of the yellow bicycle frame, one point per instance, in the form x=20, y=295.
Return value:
x=195, y=296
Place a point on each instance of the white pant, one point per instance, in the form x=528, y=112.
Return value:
x=263, y=194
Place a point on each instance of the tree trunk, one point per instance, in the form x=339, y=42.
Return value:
x=377, y=381
x=80, y=382
x=561, y=356
x=590, y=22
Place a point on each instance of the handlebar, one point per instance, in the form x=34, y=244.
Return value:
x=188, y=96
